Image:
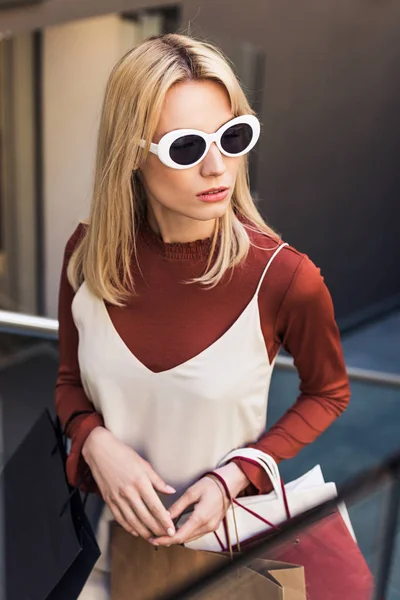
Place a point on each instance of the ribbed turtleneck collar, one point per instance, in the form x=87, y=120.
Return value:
x=176, y=250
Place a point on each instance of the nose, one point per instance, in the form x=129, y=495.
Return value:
x=213, y=164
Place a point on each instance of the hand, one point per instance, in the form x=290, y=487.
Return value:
x=127, y=483
x=210, y=506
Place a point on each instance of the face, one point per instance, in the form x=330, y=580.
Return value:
x=174, y=196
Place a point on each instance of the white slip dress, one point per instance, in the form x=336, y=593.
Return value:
x=183, y=420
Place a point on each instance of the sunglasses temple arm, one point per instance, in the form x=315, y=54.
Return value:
x=153, y=147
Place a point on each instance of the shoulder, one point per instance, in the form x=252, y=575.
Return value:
x=75, y=238
x=290, y=271
x=263, y=246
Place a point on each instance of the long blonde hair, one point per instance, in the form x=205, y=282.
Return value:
x=133, y=101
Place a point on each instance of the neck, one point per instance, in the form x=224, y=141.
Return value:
x=180, y=229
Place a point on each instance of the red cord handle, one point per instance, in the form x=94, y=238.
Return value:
x=248, y=510
x=285, y=500
x=222, y=482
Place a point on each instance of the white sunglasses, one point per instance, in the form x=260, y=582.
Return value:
x=185, y=148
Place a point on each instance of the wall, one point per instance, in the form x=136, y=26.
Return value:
x=25, y=172
x=329, y=176
x=55, y=12
x=77, y=60
x=18, y=218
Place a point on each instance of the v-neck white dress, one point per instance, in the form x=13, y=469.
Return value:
x=183, y=420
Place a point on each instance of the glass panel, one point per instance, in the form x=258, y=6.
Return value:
x=326, y=548
x=28, y=371
x=362, y=437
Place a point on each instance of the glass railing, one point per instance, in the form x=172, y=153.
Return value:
x=28, y=371
x=316, y=530
x=360, y=441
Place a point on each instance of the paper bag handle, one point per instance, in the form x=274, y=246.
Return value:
x=257, y=457
x=252, y=455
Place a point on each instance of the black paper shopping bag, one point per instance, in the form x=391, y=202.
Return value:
x=49, y=545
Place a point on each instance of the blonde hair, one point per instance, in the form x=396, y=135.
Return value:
x=133, y=101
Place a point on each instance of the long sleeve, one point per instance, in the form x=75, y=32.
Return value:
x=306, y=327
x=69, y=393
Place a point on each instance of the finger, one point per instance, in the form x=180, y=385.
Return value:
x=191, y=496
x=194, y=526
x=130, y=516
x=156, y=510
x=143, y=514
x=119, y=517
x=160, y=484
x=210, y=526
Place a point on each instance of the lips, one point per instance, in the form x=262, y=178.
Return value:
x=213, y=191
x=214, y=194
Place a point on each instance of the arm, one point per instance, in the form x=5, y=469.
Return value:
x=69, y=394
x=127, y=483
x=305, y=326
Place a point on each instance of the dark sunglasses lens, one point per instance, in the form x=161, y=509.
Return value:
x=187, y=149
x=237, y=138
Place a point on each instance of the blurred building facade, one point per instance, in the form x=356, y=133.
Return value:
x=322, y=77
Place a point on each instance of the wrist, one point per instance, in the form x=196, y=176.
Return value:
x=93, y=439
x=234, y=477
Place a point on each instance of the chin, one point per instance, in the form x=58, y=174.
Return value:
x=207, y=212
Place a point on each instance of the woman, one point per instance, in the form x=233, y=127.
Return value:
x=175, y=298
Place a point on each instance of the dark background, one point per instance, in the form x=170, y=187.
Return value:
x=327, y=88
x=328, y=170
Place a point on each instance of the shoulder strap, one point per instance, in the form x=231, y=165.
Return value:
x=275, y=254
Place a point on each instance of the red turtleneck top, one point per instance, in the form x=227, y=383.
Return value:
x=169, y=322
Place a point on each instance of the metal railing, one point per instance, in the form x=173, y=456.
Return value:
x=21, y=324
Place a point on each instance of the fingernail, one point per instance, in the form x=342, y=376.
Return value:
x=170, y=531
x=171, y=489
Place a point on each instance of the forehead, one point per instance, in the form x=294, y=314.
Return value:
x=202, y=105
